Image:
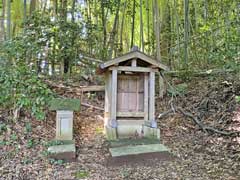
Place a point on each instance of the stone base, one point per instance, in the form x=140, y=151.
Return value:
x=151, y=132
x=65, y=152
x=111, y=133
x=138, y=149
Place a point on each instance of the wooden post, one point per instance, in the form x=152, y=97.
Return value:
x=114, y=99
x=146, y=97
x=107, y=99
x=152, y=99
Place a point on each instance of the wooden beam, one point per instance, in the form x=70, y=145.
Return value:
x=151, y=96
x=114, y=98
x=91, y=106
x=146, y=95
x=107, y=99
x=92, y=88
x=130, y=114
x=133, y=69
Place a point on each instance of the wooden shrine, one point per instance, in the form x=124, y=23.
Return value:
x=130, y=95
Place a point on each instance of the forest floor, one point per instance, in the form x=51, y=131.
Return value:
x=198, y=155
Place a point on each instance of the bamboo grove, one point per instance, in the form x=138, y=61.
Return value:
x=73, y=36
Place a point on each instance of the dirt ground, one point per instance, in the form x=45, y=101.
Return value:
x=198, y=155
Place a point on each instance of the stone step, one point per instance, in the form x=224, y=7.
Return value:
x=137, y=149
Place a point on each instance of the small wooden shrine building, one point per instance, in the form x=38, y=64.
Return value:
x=130, y=95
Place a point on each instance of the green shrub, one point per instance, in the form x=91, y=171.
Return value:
x=22, y=89
x=178, y=90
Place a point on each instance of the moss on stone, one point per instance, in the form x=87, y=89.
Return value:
x=65, y=104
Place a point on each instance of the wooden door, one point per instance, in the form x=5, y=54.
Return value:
x=130, y=94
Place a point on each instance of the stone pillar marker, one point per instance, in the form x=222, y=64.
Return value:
x=64, y=125
x=63, y=145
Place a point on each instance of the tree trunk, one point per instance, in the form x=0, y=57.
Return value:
x=186, y=32
x=157, y=35
x=104, y=27
x=66, y=59
x=157, y=30
x=177, y=28
x=2, y=18
x=73, y=33
x=114, y=30
x=122, y=23
x=195, y=15
x=141, y=27
x=9, y=19
x=24, y=11
x=33, y=5
x=148, y=25
x=133, y=23
x=55, y=38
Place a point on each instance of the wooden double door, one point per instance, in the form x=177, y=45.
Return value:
x=130, y=94
x=130, y=105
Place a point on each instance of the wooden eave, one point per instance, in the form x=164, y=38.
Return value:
x=131, y=55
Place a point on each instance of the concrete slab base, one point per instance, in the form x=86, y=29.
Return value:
x=147, y=159
x=65, y=152
x=138, y=149
x=142, y=154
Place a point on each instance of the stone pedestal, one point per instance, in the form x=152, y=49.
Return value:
x=64, y=122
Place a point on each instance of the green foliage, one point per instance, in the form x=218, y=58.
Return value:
x=45, y=153
x=233, y=65
x=28, y=127
x=22, y=89
x=237, y=99
x=13, y=137
x=2, y=143
x=81, y=174
x=124, y=173
x=3, y=128
x=56, y=162
x=65, y=104
x=53, y=143
x=178, y=90
x=99, y=130
x=58, y=142
x=27, y=161
x=30, y=143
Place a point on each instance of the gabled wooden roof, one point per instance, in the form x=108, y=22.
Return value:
x=136, y=54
